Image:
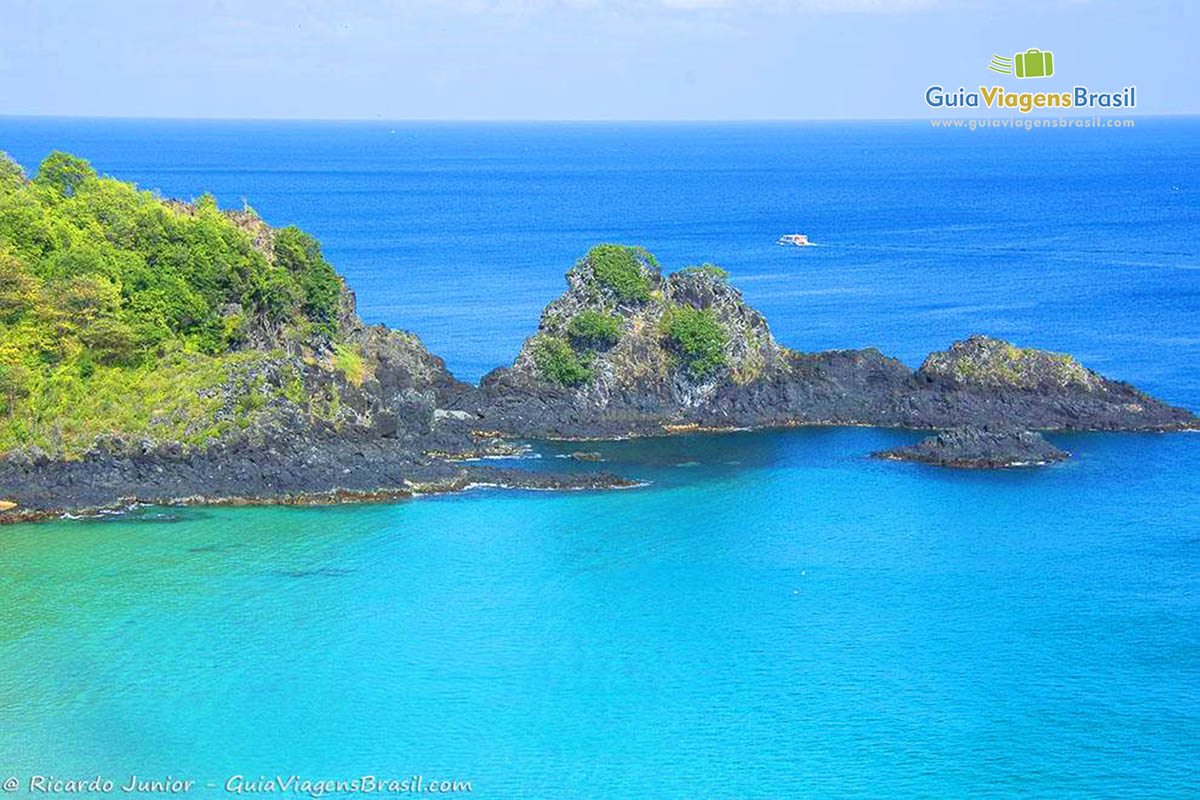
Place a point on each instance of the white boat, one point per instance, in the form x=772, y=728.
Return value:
x=796, y=239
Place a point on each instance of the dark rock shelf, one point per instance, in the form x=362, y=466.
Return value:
x=988, y=447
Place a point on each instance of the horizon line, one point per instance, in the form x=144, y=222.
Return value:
x=568, y=121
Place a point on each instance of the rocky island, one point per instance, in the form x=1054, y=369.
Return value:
x=160, y=351
x=627, y=351
x=987, y=447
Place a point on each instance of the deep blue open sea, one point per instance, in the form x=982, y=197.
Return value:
x=774, y=615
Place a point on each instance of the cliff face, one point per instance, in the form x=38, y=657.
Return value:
x=372, y=382
x=686, y=351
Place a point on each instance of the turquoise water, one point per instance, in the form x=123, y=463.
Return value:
x=774, y=615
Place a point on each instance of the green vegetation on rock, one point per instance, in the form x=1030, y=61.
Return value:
x=118, y=309
x=713, y=270
x=982, y=360
x=351, y=364
x=173, y=399
x=594, y=330
x=619, y=269
x=557, y=361
x=698, y=338
x=318, y=285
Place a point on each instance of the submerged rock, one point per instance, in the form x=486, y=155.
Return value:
x=987, y=447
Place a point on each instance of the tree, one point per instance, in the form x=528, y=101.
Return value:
x=300, y=255
x=63, y=173
x=14, y=384
x=86, y=297
x=12, y=177
x=18, y=290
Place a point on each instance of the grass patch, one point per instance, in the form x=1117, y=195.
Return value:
x=350, y=364
x=176, y=399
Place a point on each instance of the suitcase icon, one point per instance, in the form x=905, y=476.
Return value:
x=1034, y=63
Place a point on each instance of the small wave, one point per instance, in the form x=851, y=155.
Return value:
x=512, y=457
x=101, y=514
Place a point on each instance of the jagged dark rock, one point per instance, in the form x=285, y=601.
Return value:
x=638, y=386
x=987, y=447
x=400, y=420
x=243, y=474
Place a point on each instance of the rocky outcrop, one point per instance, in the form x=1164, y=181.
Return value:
x=357, y=419
x=118, y=473
x=987, y=363
x=641, y=382
x=988, y=447
x=401, y=385
x=985, y=381
x=624, y=351
x=646, y=376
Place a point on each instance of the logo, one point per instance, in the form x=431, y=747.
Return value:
x=1033, y=63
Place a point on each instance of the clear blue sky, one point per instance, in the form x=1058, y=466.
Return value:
x=572, y=59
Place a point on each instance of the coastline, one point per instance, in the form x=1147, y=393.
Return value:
x=431, y=479
x=414, y=490
x=319, y=409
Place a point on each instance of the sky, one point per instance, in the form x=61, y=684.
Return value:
x=573, y=59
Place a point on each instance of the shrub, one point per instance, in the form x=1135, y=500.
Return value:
x=594, y=330
x=112, y=341
x=707, y=269
x=14, y=380
x=18, y=290
x=619, y=269
x=556, y=361
x=698, y=338
x=293, y=386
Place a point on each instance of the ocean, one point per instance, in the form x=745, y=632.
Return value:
x=773, y=614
